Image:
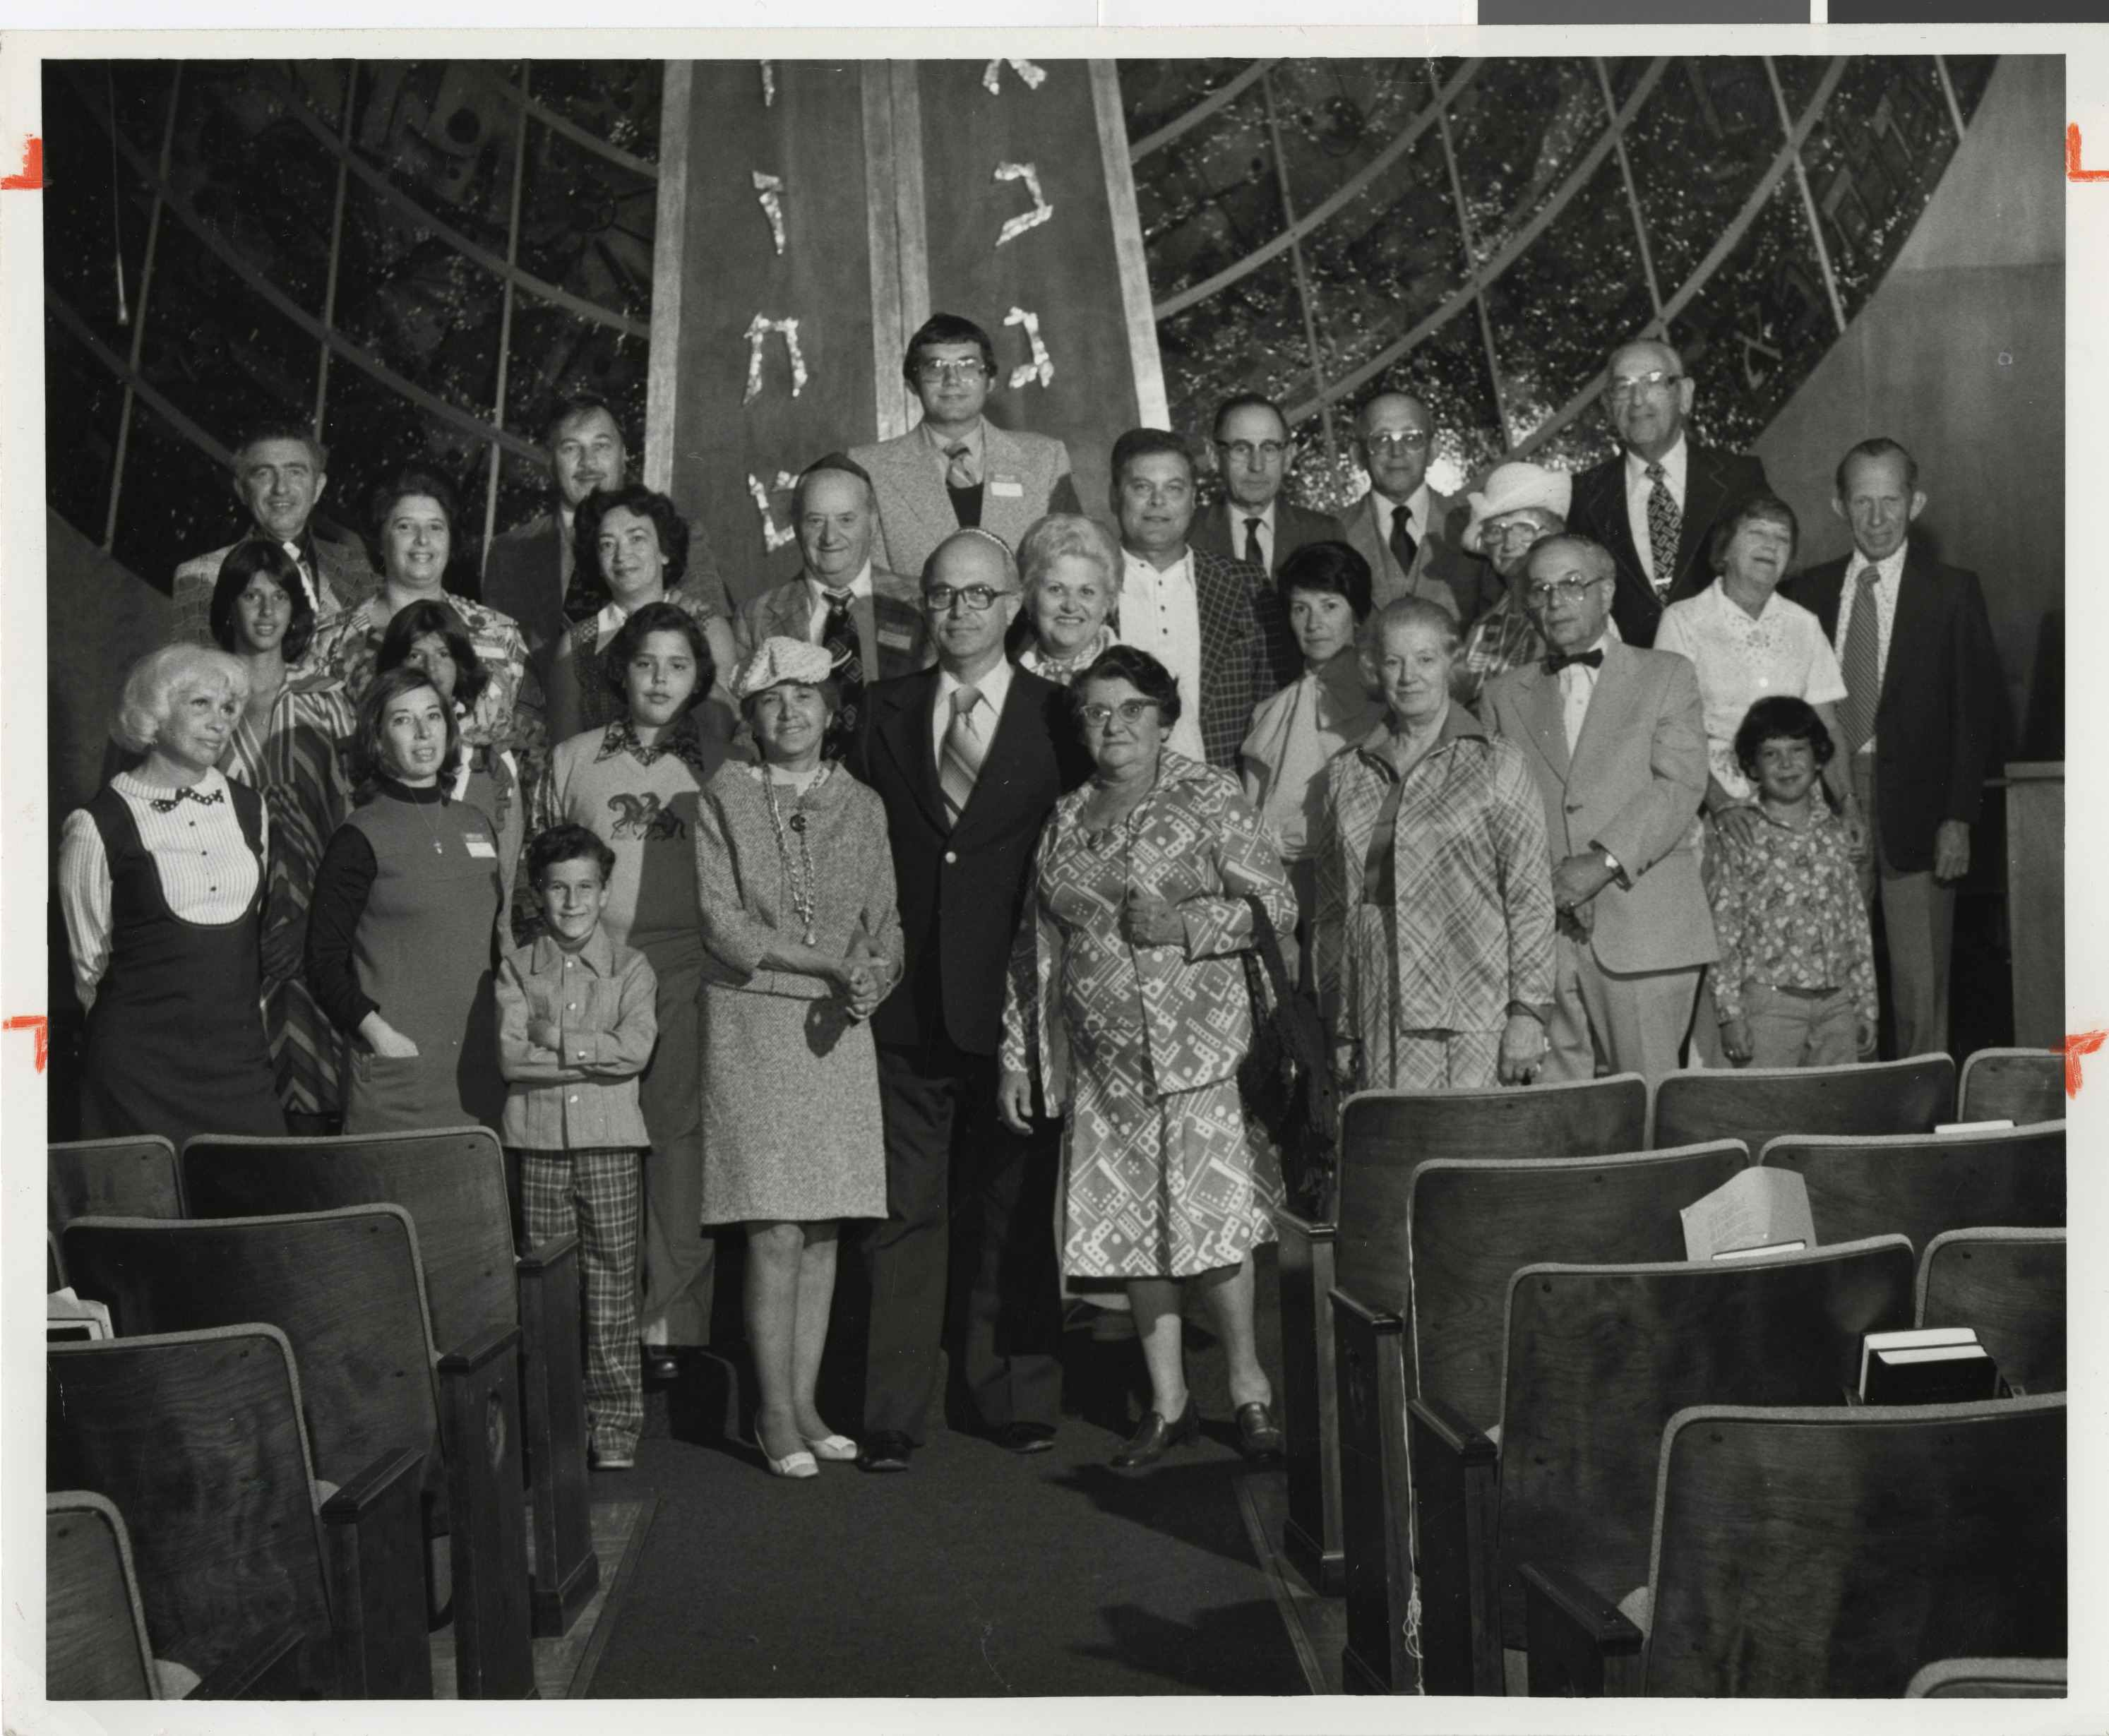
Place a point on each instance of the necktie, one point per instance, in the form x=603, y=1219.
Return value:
x=1252, y=545
x=1403, y=547
x=960, y=468
x=1863, y=664
x=307, y=574
x=1560, y=660
x=1665, y=525
x=964, y=750
x=838, y=637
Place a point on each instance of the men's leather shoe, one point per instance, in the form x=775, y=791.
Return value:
x=1146, y=1445
x=1027, y=1437
x=661, y=1365
x=884, y=1449
x=1259, y=1436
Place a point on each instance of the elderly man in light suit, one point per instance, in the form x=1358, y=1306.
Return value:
x=1617, y=740
x=955, y=470
x=1403, y=527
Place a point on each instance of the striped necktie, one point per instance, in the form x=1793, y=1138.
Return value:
x=1665, y=525
x=838, y=637
x=965, y=748
x=1862, y=664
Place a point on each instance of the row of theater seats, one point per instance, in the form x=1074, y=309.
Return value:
x=337, y=1411
x=1538, y=1449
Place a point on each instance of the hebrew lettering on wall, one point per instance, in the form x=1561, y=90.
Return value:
x=1041, y=366
x=1030, y=76
x=1014, y=227
x=773, y=535
x=768, y=189
x=757, y=333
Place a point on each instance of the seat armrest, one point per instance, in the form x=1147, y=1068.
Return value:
x=1305, y=1228
x=374, y=1527
x=1455, y=1479
x=1376, y=1317
x=265, y=1669
x=547, y=1254
x=1452, y=1431
x=1581, y=1647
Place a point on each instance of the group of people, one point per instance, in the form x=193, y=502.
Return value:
x=924, y=882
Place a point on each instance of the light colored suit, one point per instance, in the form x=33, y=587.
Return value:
x=1024, y=476
x=1443, y=572
x=1632, y=785
x=786, y=611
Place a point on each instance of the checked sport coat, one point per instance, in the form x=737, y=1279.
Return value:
x=1248, y=653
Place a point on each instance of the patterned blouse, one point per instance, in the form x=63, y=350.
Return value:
x=346, y=648
x=1788, y=914
x=1501, y=639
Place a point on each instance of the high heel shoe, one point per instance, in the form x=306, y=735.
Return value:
x=792, y=1465
x=1153, y=1435
x=835, y=1449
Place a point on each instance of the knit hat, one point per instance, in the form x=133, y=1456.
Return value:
x=777, y=661
x=1509, y=488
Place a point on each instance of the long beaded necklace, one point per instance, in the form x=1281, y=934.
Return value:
x=797, y=864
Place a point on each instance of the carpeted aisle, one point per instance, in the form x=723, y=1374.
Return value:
x=975, y=1573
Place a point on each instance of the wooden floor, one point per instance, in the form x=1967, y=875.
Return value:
x=1317, y=1626
x=564, y=1667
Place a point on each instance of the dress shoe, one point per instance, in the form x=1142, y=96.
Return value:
x=836, y=1448
x=884, y=1449
x=661, y=1364
x=791, y=1465
x=1259, y=1436
x=614, y=1460
x=1027, y=1437
x=1146, y=1445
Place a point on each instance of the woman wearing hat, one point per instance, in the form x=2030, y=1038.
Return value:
x=1519, y=504
x=794, y=883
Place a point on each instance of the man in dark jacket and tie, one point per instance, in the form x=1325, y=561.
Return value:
x=1653, y=503
x=968, y=756
x=1257, y=523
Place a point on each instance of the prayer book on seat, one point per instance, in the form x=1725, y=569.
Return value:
x=1754, y=1213
x=1931, y=1365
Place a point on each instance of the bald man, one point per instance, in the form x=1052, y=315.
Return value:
x=1653, y=503
x=1403, y=527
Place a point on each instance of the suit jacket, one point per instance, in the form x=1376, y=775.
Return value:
x=1939, y=713
x=961, y=888
x=1293, y=526
x=786, y=611
x=1024, y=476
x=341, y=564
x=1633, y=785
x=1443, y=572
x=1713, y=481
x=1248, y=653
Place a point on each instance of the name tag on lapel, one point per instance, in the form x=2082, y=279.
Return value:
x=480, y=847
x=895, y=640
x=1006, y=489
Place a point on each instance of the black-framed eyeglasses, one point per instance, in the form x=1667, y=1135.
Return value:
x=940, y=599
x=1245, y=451
x=1632, y=385
x=1129, y=711
x=1565, y=590
x=930, y=373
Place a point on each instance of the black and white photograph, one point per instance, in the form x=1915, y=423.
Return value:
x=1020, y=878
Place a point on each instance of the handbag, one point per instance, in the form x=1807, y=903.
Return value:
x=1286, y=1080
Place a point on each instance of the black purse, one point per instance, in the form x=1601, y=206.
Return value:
x=1286, y=1080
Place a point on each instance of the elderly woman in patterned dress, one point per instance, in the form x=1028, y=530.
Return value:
x=802, y=940
x=1433, y=930
x=1138, y=909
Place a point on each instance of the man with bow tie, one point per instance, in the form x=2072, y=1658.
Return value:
x=1616, y=738
x=280, y=472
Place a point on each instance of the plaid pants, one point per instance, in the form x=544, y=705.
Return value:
x=594, y=1194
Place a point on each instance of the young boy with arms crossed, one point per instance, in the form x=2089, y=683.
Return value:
x=575, y=1026
x=1795, y=987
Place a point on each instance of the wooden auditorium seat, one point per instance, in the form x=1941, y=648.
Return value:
x=2019, y=1086
x=1824, y=1552
x=345, y=1288
x=1990, y=1679
x=2010, y=1285
x=1757, y=1105
x=1921, y=1185
x=198, y=1437
x=1599, y=1357
x=111, y=1179
x=1383, y=1136
x=452, y=1184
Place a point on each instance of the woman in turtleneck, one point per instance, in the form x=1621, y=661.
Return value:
x=402, y=928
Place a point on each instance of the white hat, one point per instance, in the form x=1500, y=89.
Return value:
x=1511, y=488
x=777, y=661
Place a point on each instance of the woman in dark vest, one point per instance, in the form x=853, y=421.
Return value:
x=161, y=882
x=402, y=928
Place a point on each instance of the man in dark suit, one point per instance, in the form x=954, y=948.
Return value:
x=1255, y=524
x=1655, y=503
x=1403, y=527
x=968, y=756
x=1218, y=625
x=1920, y=714
x=528, y=570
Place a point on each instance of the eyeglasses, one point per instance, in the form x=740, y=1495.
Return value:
x=931, y=373
x=940, y=599
x=1411, y=439
x=1244, y=451
x=1565, y=590
x=1129, y=711
x=1632, y=385
x=1515, y=530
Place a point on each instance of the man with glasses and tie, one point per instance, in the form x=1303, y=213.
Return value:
x=1653, y=502
x=1256, y=524
x=280, y=472
x=1616, y=738
x=955, y=470
x=869, y=620
x=968, y=756
x=1403, y=527
x=1920, y=710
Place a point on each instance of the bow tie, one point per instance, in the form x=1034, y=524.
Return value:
x=167, y=804
x=1560, y=660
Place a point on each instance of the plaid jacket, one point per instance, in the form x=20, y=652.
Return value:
x=1247, y=654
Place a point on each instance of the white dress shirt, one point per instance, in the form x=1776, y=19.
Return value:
x=1417, y=517
x=1578, y=686
x=1891, y=579
x=993, y=688
x=1160, y=612
x=1239, y=514
x=1639, y=485
x=862, y=617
